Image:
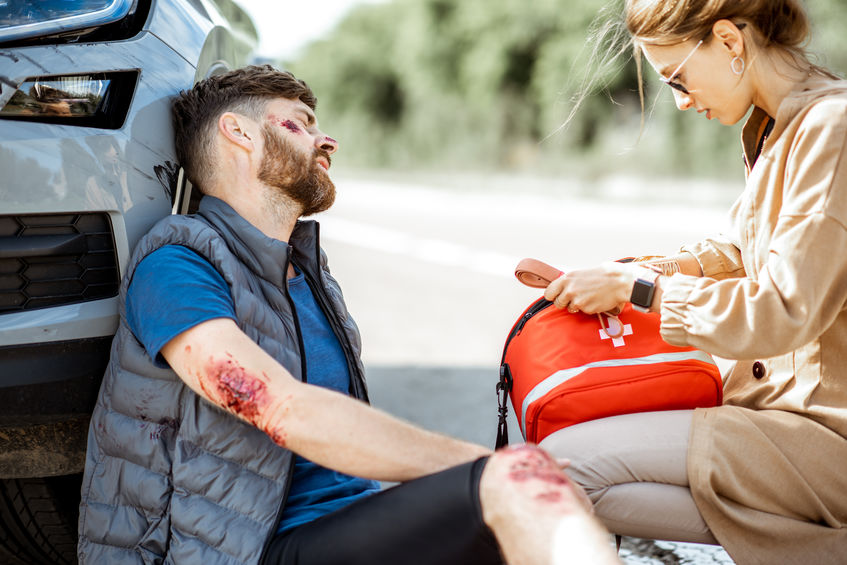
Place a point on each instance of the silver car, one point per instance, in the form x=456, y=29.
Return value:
x=87, y=166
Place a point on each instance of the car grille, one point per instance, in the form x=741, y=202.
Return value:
x=55, y=259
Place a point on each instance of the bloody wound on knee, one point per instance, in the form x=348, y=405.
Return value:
x=534, y=463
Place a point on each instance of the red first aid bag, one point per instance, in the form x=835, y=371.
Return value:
x=561, y=368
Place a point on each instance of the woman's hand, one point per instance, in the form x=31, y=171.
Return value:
x=598, y=289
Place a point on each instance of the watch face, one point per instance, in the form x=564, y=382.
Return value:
x=642, y=293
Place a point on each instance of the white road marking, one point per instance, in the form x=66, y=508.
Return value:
x=429, y=250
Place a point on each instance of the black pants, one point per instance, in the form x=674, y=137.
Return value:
x=434, y=520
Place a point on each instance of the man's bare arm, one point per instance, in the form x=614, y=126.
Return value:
x=224, y=366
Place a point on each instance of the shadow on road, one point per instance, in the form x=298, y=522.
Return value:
x=459, y=402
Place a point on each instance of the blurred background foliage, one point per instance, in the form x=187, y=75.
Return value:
x=465, y=85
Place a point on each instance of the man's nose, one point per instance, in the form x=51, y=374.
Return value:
x=326, y=143
x=683, y=100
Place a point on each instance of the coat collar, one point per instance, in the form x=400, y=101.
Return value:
x=803, y=94
x=265, y=256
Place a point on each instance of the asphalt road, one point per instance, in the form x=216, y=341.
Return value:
x=427, y=271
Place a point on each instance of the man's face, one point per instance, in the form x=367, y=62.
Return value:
x=297, y=156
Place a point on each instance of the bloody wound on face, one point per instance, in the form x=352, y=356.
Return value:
x=287, y=124
x=290, y=126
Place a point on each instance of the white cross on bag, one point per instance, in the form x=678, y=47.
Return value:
x=615, y=328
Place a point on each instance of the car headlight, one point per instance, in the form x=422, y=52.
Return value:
x=20, y=20
x=93, y=100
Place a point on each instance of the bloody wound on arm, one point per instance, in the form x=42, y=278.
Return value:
x=232, y=387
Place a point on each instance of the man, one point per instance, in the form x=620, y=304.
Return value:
x=235, y=352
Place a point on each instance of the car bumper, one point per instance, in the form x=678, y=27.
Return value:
x=126, y=173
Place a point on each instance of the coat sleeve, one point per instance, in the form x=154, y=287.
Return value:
x=802, y=285
x=719, y=257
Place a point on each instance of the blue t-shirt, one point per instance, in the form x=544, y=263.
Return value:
x=174, y=289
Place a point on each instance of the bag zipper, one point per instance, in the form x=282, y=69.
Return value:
x=504, y=385
x=534, y=309
x=303, y=377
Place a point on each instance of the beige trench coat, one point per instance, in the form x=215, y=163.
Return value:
x=768, y=469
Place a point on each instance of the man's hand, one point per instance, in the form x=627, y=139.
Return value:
x=223, y=365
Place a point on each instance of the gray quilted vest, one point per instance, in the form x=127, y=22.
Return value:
x=169, y=477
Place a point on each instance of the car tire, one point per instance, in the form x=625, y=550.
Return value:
x=38, y=520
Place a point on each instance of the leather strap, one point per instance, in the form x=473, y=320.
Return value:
x=535, y=273
x=538, y=274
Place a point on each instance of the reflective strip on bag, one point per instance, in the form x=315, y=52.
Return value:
x=541, y=389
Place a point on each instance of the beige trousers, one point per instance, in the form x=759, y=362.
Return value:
x=633, y=469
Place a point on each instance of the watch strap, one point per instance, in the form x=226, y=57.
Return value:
x=644, y=288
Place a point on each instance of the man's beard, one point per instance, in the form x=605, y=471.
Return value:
x=297, y=176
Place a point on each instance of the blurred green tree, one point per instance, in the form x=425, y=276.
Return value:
x=476, y=84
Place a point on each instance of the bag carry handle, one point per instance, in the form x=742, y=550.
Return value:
x=535, y=273
x=538, y=274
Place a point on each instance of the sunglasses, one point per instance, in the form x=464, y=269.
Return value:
x=671, y=81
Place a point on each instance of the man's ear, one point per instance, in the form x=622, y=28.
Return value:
x=730, y=36
x=236, y=129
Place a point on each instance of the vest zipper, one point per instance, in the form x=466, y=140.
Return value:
x=303, y=377
x=303, y=374
x=357, y=379
x=355, y=376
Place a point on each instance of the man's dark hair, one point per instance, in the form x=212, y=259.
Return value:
x=246, y=91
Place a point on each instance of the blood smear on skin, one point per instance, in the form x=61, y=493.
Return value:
x=549, y=496
x=242, y=393
x=535, y=464
x=290, y=126
x=236, y=389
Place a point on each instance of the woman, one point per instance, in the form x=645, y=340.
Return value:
x=765, y=475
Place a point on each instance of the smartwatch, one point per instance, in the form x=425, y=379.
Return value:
x=643, y=290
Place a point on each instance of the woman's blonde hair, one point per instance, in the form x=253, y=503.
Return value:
x=775, y=24
x=780, y=23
